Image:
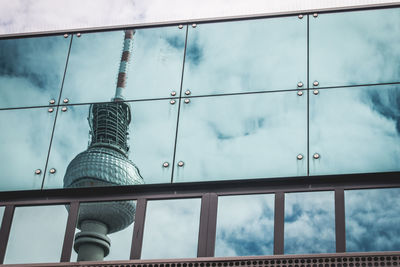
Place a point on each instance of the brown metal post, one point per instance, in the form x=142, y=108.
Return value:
x=340, y=227
x=279, y=223
x=138, y=229
x=5, y=230
x=70, y=231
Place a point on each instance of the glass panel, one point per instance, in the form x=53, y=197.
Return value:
x=355, y=130
x=242, y=136
x=372, y=220
x=37, y=234
x=244, y=56
x=309, y=223
x=31, y=70
x=355, y=47
x=150, y=144
x=171, y=229
x=245, y=226
x=25, y=139
x=112, y=222
x=155, y=65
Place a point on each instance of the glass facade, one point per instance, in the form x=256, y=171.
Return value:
x=289, y=99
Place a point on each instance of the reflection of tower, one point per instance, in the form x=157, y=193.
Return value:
x=105, y=163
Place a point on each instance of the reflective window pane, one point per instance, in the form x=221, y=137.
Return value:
x=242, y=136
x=355, y=130
x=25, y=136
x=372, y=220
x=246, y=56
x=309, y=223
x=37, y=234
x=245, y=226
x=31, y=70
x=171, y=229
x=355, y=47
x=112, y=222
x=150, y=143
x=154, y=68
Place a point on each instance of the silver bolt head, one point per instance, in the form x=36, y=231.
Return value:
x=173, y=93
x=301, y=16
x=66, y=100
x=316, y=156
x=50, y=110
x=180, y=26
x=315, y=92
x=52, y=101
x=300, y=93
x=172, y=102
x=299, y=156
x=64, y=109
x=187, y=101
x=315, y=15
x=52, y=171
x=165, y=164
x=78, y=34
x=187, y=92
x=180, y=163
x=38, y=171
x=66, y=35
x=315, y=83
x=194, y=25
x=299, y=84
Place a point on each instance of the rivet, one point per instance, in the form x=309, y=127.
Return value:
x=52, y=171
x=64, y=109
x=180, y=26
x=180, y=163
x=316, y=156
x=300, y=16
x=38, y=171
x=78, y=34
x=65, y=35
x=173, y=93
x=300, y=93
x=315, y=15
x=299, y=84
x=299, y=156
x=165, y=164
x=50, y=110
x=187, y=92
x=315, y=83
x=187, y=101
x=66, y=100
x=316, y=92
x=194, y=25
x=172, y=102
x=52, y=101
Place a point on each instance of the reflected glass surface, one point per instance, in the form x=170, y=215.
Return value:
x=150, y=140
x=115, y=215
x=31, y=70
x=171, y=229
x=355, y=130
x=355, y=47
x=37, y=234
x=154, y=68
x=245, y=56
x=309, y=223
x=372, y=220
x=245, y=226
x=25, y=136
x=242, y=136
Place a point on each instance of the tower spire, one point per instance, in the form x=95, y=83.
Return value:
x=123, y=65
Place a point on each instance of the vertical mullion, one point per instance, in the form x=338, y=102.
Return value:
x=202, y=240
x=70, y=231
x=212, y=224
x=308, y=95
x=279, y=222
x=5, y=230
x=138, y=229
x=340, y=227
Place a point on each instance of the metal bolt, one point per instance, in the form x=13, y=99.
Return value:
x=66, y=100
x=52, y=101
x=300, y=93
x=165, y=164
x=315, y=15
x=38, y=171
x=180, y=26
x=316, y=92
x=315, y=83
x=187, y=101
x=64, y=109
x=194, y=25
x=300, y=16
x=173, y=93
x=52, y=171
x=299, y=156
x=180, y=163
x=172, y=102
x=50, y=110
x=65, y=35
x=299, y=84
x=316, y=156
x=187, y=92
x=78, y=34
